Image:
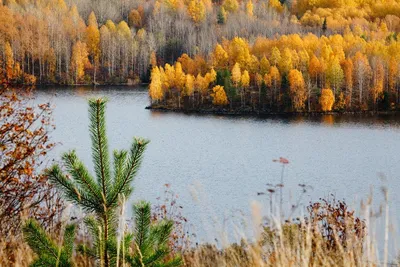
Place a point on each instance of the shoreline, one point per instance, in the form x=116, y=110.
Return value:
x=227, y=112
x=43, y=85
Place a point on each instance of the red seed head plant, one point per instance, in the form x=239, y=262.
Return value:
x=283, y=162
x=168, y=208
x=336, y=223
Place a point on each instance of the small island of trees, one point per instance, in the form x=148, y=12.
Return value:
x=291, y=73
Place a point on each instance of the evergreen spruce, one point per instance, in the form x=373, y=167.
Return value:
x=221, y=16
x=324, y=25
x=49, y=253
x=99, y=195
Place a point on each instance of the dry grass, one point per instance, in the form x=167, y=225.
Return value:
x=15, y=253
x=330, y=234
x=290, y=244
x=291, y=249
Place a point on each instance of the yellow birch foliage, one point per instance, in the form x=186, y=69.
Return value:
x=197, y=10
x=276, y=4
x=275, y=77
x=9, y=61
x=268, y=80
x=189, y=85
x=153, y=59
x=286, y=64
x=220, y=57
x=135, y=19
x=155, y=89
x=180, y=78
x=169, y=81
x=245, y=79
x=236, y=75
x=297, y=89
x=213, y=75
x=111, y=26
x=393, y=71
x=335, y=74
x=348, y=69
x=239, y=52
x=377, y=88
x=258, y=79
x=93, y=38
x=314, y=68
x=79, y=59
x=275, y=56
x=264, y=66
x=201, y=84
x=327, y=99
x=249, y=8
x=92, y=20
x=124, y=31
x=219, y=96
x=231, y=5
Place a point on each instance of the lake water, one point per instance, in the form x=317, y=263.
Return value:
x=218, y=164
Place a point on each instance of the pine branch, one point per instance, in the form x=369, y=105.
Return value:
x=120, y=164
x=71, y=191
x=142, y=213
x=43, y=261
x=38, y=240
x=87, y=251
x=175, y=262
x=81, y=175
x=49, y=254
x=68, y=242
x=122, y=184
x=93, y=227
x=100, y=151
x=159, y=254
x=162, y=231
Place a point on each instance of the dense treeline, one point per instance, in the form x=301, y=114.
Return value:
x=288, y=73
x=49, y=42
x=340, y=14
x=71, y=42
x=54, y=41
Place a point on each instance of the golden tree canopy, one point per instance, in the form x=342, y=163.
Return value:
x=231, y=5
x=197, y=10
x=327, y=99
x=236, y=74
x=155, y=89
x=297, y=89
x=219, y=96
x=245, y=79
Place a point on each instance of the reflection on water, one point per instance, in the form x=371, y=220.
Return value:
x=361, y=120
x=230, y=158
x=328, y=119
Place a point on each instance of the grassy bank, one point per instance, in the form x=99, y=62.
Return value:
x=329, y=235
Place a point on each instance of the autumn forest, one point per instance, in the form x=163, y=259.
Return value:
x=300, y=75
x=298, y=55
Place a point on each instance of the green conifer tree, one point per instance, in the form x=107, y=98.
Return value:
x=221, y=16
x=99, y=195
x=151, y=240
x=324, y=25
x=49, y=253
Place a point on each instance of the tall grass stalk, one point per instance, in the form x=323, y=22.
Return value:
x=121, y=230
